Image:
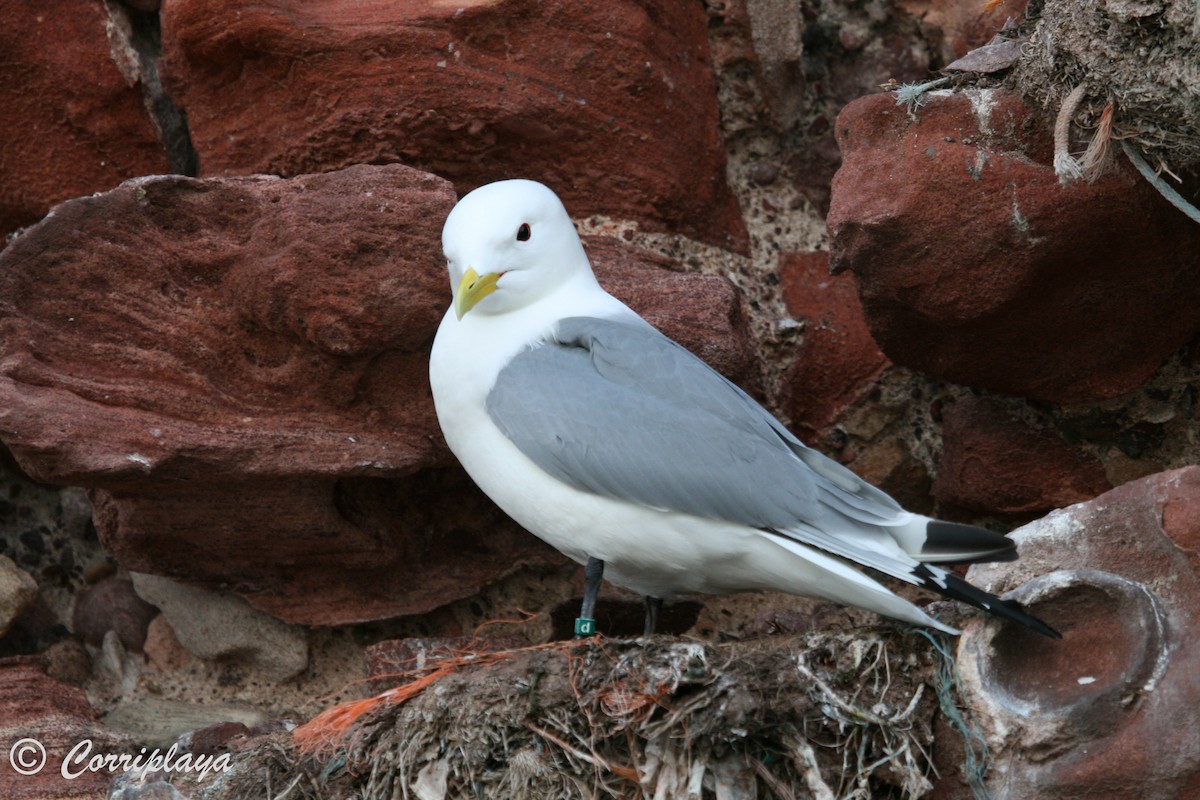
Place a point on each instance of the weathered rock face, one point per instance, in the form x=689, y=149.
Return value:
x=213, y=626
x=837, y=361
x=976, y=266
x=704, y=313
x=322, y=551
x=958, y=26
x=561, y=92
x=992, y=463
x=1114, y=708
x=34, y=706
x=71, y=116
x=17, y=593
x=172, y=317
x=811, y=60
x=237, y=368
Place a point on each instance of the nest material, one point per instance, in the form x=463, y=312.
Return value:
x=828, y=715
x=1137, y=59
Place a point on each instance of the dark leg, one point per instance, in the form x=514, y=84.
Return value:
x=593, y=573
x=653, y=608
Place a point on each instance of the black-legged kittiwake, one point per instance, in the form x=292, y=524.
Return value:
x=630, y=455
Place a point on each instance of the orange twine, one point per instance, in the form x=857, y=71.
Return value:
x=329, y=729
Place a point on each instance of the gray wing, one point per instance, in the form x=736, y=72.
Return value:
x=617, y=409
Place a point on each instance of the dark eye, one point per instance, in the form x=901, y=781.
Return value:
x=523, y=232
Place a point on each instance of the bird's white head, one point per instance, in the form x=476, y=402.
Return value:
x=509, y=244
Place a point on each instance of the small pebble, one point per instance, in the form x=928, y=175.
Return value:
x=764, y=173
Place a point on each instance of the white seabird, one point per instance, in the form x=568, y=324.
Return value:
x=623, y=450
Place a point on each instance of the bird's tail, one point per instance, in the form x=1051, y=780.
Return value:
x=931, y=540
x=947, y=585
x=941, y=542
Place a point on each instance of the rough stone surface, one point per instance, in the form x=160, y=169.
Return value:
x=323, y=551
x=704, y=313
x=68, y=661
x=777, y=33
x=179, y=329
x=991, y=463
x=35, y=706
x=162, y=646
x=239, y=371
x=144, y=787
x=976, y=266
x=214, y=739
x=1114, y=707
x=160, y=723
x=72, y=120
x=808, y=62
x=222, y=626
x=837, y=361
x=556, y=91
x=890, y=466
x=958, y=26
x=18, y=590
x=112, y=605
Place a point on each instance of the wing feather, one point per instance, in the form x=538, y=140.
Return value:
x=618, y=409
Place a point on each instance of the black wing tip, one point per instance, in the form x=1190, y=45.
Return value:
x=955, y=537
x=1036, y=625
x=1012, y=610
x=956, y=588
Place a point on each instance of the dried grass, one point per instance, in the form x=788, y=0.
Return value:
x=832, y=714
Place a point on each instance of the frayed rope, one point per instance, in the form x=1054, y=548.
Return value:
x=949, y=686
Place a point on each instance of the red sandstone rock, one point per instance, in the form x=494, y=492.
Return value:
x=992, y=463
x=1114, y=708
x=319, y=550
x=57, y=715
x=213, y=740
x=72, y=120
x=185, y=330
x=237, y=368
x=612, y=104
x=977, y=266
x=959, y=26
x=837, y=361
x=704, y=313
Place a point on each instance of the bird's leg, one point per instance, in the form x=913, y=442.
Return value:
x=653, y=609
x=592, y=575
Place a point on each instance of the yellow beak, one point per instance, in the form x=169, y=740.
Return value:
x=471, y=289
